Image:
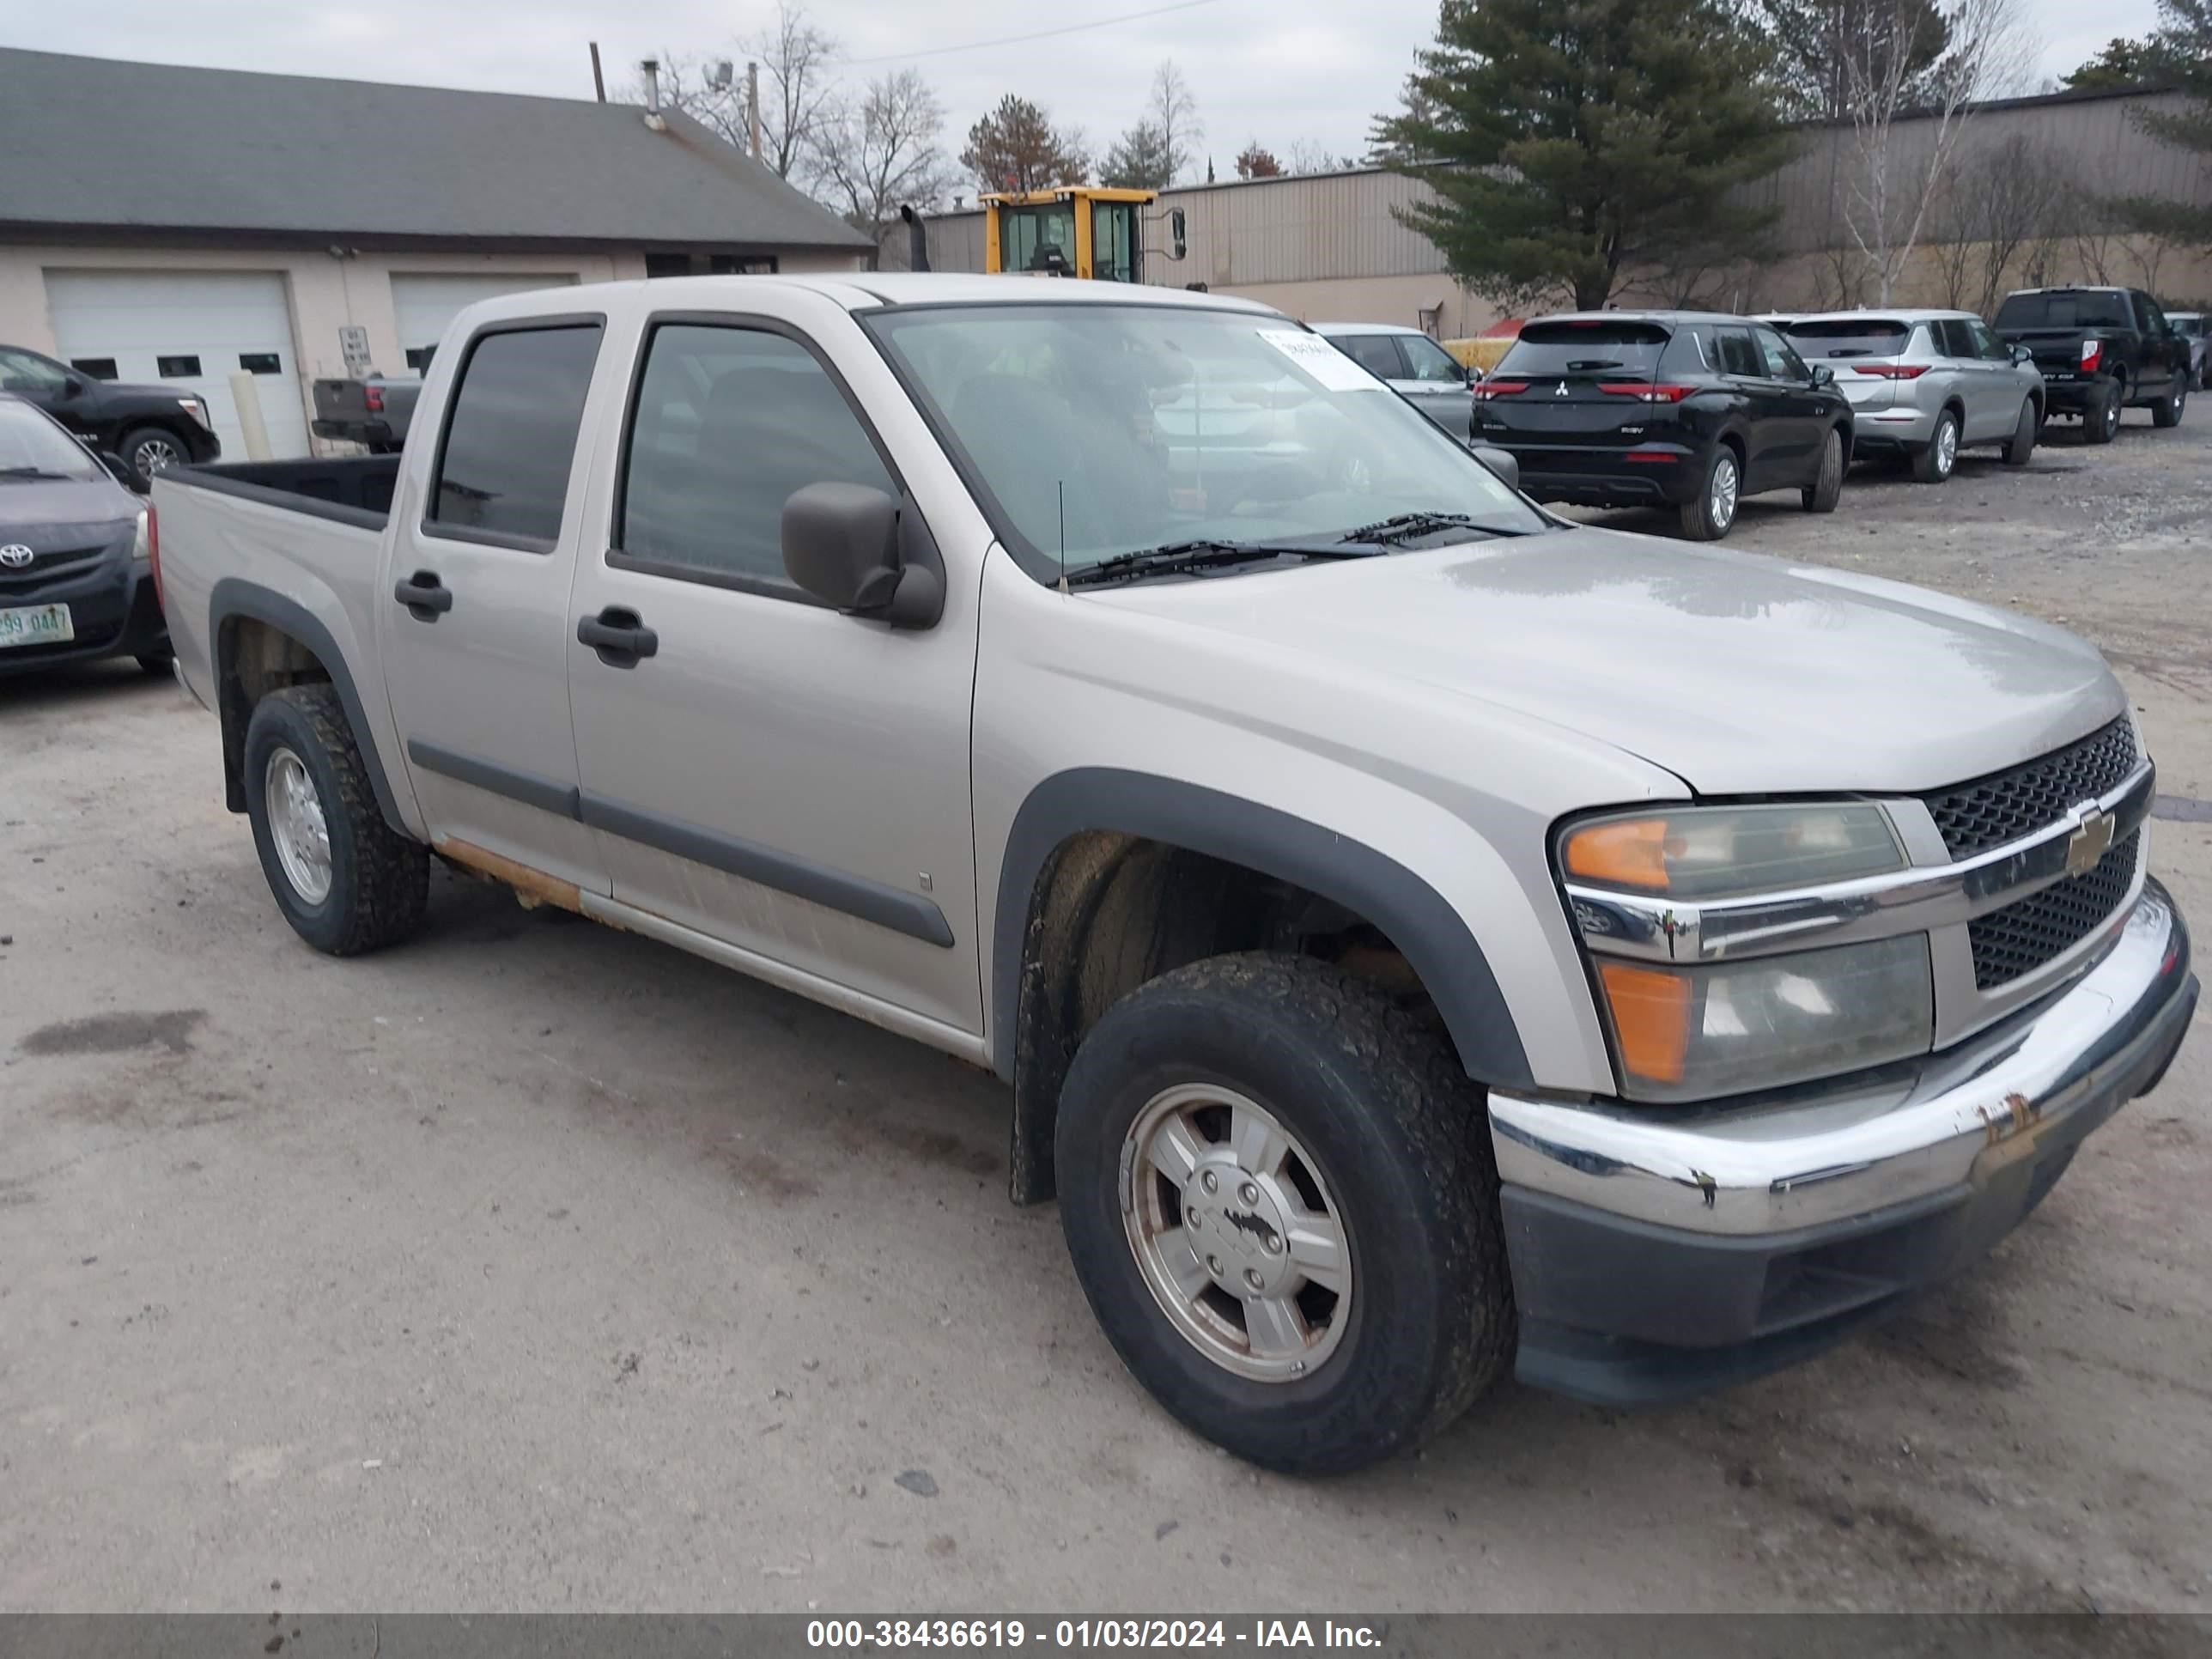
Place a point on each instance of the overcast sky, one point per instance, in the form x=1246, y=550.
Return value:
x=1277, y=71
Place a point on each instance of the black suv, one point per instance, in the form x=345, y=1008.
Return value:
x=1686, y=409
x=150, y=427
x=2101, y=350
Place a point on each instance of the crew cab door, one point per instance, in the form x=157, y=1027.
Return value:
x=2155, y=371
x=788, y=781
x=475, y=618
x=1799, y=412
x=1765, y=421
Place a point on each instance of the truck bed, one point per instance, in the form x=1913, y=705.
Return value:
x=310, y=533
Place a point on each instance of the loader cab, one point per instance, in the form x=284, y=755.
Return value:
x=1077, y=230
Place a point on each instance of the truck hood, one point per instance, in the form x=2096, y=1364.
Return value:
x=58, y=502
x=1740, y=674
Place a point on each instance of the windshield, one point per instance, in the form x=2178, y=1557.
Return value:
x=1854, y=336
x=1584, y=348
x=2061, y=309
x=1100, y=430
x=30, y=444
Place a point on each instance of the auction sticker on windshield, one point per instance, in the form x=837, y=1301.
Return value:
x=1311, y=353
x=44, y=624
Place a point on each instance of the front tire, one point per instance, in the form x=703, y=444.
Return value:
x=2166, y=412
x=345, y=879
x=1827, y=486
x=1934, y=461
x=1279, y=1196
x=151, y=449
x=1708, y=515
x=2025, y=431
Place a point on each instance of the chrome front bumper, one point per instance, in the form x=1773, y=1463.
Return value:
x=1955, y=1121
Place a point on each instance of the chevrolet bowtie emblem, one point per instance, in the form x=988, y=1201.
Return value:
x=2087, y=845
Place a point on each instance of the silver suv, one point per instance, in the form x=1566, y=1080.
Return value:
x=1925, y=384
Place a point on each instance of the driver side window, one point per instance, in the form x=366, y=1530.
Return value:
x=21, y=372
x=1782, y=363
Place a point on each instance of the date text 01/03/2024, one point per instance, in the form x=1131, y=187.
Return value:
x=1279, y=1634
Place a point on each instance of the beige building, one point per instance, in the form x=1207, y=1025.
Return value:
x=1327, y=247
x=240, y=223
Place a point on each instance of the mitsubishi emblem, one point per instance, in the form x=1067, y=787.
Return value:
x=2088, y=844
x=1560, y=389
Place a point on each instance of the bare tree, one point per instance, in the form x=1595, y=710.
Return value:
x=1312, y=155
x=881, y=152
x=1172, y=112
x=1896, y=179
x=797, y=93
x=2001, y=204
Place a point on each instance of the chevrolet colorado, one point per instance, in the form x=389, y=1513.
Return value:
x=1423, y=939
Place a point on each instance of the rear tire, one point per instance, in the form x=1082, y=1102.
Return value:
x=2102, y=425
x=1934, y=462
x=2025, y=432
x=2166, y=412
x=1368, y=1124
x=1709, y=515
x=1827, y=486
x=344, y=879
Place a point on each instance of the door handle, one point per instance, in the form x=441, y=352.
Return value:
x=426, y=597
x=618, y=635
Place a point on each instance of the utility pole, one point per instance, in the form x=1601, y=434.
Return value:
x=752, y=106
x=598, y=80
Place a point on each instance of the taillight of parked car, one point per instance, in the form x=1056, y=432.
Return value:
x=1490, y=389
x=2092, y=354
x=1891, y=371
x=374, y=397
x=1645, y=392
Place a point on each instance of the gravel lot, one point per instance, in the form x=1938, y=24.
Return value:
x=533, y=1266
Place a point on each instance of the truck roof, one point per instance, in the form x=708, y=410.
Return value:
x=865, y=290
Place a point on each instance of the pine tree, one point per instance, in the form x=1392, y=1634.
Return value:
x=1570, y=143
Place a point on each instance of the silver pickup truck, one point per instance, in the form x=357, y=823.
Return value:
x=1423, y=939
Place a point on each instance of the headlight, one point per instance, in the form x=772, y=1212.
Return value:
x=1697, y=1033
x=141, y=550
x=1683, y=1030
x=1727, y=852
x=196, y=409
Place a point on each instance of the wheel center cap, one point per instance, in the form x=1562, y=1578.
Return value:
x=1236, y=1224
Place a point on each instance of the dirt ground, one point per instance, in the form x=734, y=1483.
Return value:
x=532, y=1265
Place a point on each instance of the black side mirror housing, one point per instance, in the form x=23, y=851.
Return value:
x=1823, y=375
x=863, y=553
x=120, y=470
x=72, y=388
x=1179, y=228
x=1500, y=462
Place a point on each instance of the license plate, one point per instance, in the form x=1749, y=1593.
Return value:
x=44, y=625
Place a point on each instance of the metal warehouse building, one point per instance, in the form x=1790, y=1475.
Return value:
x=1327, y=246
x=237, y=222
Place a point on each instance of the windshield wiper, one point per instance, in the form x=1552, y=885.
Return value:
x=31, y=472
x=1405, y=526
x=1206, y=554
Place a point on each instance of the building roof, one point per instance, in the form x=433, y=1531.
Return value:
x=272, y=155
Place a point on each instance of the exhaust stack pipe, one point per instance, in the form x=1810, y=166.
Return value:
x=917, y=238
x=651, y=69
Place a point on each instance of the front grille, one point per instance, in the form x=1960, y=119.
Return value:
x=2006, y=805
x=44, y=567
x=2030, y=931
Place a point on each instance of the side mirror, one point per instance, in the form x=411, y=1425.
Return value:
x=1179, y=228
x=1501, y=462
x=1823, y=375
x=120, y=470
x=860, y=551
x=72, y=388
x=2022, y=355
x=1473, y=375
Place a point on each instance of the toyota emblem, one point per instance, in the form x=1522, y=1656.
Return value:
x=15, y=556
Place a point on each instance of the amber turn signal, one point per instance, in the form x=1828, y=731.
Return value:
x=1651, y=1011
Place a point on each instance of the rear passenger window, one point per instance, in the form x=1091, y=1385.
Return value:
x=1738, y=354
x=1692, y=351
x=1376, y=353
x=511, y=437
x=729, y=423
x=1954, y=338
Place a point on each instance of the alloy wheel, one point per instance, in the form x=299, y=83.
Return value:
x=296, y=826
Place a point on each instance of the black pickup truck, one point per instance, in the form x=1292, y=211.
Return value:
x=2101, y=350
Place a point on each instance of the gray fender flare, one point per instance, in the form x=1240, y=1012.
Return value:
x=234, y=597
x=1433, y=936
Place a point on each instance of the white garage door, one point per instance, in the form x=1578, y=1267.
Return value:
x=191, y=329
x=423, y=305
